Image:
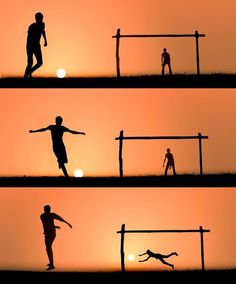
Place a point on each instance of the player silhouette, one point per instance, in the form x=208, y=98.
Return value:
x=49, y=228
x=165, y=60
x=33, y=47
x=59, y=149
x=158, y=256
x=170, y=161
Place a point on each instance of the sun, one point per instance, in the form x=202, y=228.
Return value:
x=78, y=173
x=61, y=73
x=131, y=257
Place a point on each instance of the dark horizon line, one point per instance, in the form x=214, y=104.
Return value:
x=126, y=176
x=208, y=80
x=119, y=271
x=222, y=73
x=210, y=181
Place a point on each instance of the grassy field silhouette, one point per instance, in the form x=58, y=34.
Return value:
x=217, y=80
x=184, y=180
x=187, y=276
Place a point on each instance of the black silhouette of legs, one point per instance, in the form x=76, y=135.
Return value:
x=166, y=169
x=170, y=166
x=48, y=243
x=39, y=58
x=173, y=168
x=170, y=70
x=36, y=51
x=166, y=263
x=64, y=170
x=163, y=68
x=60, y=152
x=166, y=256
x=62, y=166
x=29, y=63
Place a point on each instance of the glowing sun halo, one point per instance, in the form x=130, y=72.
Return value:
x=78, y=173
x=61, y=73
x=131, y=257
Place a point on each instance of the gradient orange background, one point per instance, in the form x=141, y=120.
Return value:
x=98, y=213
x=80, y=36
x=101, y=114
x=80, y=40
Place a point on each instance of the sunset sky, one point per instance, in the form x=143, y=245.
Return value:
x=101, y=114
x=80, y=41
x=98, y=213
x=80, y=36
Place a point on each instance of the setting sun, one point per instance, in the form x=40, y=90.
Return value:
x=131, y=257
x=61, y=73
x=78, y=173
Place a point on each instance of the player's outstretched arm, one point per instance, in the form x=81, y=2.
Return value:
x=38, y=130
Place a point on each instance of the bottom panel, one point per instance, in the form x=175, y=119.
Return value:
x=160, y=220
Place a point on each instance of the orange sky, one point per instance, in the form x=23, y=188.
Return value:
x=98, y=213
x=80, y=40
x=80, y=35
x=101, y=114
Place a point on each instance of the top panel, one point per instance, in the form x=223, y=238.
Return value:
x=108, y=45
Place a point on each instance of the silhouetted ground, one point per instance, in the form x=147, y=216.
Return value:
x=138, y=81
x=207, y=180
x=192, y=276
